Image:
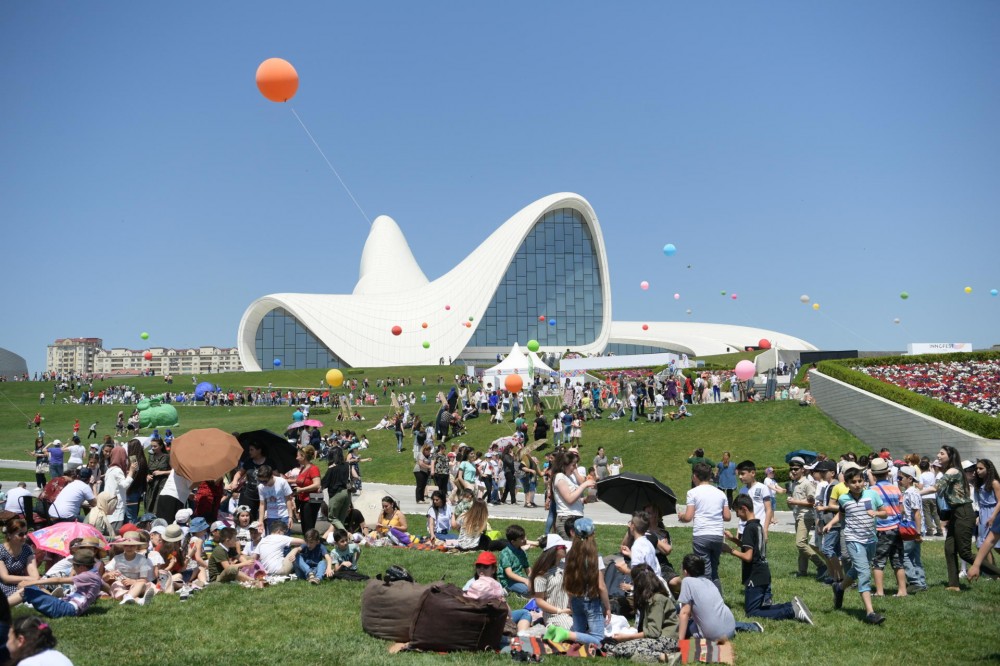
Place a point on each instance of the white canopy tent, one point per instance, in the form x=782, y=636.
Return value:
x=517, y=362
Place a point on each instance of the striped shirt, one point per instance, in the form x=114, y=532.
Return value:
x=858, y=525
x=891, y=495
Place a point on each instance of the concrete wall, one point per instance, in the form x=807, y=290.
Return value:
x=882, y=423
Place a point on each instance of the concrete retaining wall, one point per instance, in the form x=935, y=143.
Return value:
x=882, y=423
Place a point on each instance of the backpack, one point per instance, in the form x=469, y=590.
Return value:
x=447, y=620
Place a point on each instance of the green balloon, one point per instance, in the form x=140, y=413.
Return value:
x=533, y=345
x=427, y=345
x=904, y=295
x=144, y=335
x=723, y=293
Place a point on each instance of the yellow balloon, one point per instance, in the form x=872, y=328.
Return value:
x=815, y=306
x=968, y=290
x=334, y=378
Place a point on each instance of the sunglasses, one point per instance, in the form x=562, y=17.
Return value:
x=18, y=534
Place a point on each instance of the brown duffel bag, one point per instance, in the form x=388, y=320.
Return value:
x=447, y=620
x=387, y=608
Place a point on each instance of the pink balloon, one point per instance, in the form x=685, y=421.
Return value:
x=447, y=307
x=734, y=297
x=645, y=327
x=677, y=297
x=745, y=370
x=644, y=285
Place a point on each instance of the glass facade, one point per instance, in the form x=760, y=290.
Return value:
x=281, y=336
x=555, y=273
x=619, y=349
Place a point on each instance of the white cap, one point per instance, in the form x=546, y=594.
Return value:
x=966, y=464
x=554, y=540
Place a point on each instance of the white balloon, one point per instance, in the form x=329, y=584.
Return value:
x=804, y=298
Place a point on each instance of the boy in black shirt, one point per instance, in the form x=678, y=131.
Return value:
x=756, y=572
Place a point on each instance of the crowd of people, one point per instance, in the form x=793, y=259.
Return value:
x=972, y=385
x=167, y=536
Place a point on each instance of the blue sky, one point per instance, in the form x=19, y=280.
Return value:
x=848, y=151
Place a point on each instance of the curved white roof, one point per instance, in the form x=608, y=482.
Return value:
x=697, y=339
x=357, y=327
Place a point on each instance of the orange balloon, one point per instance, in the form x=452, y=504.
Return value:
x=513, y=383
x=277, y=80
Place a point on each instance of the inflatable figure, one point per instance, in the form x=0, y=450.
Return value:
x=152, y=414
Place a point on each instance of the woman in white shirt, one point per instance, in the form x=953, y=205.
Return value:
x=31, y=643
x=116, y=482
x=569, y=489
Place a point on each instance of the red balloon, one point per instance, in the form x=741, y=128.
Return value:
x=645, y=327
x=423, y=325
x=513, y=383
x=541, y=317
x=277, y=80
x=396, y=330
x=764, y=343
x=148, y=356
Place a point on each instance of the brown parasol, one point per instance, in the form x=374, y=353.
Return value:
x=205, y=454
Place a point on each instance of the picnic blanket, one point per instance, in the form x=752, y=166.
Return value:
x=534, y=649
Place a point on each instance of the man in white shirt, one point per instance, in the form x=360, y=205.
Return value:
x=15, y=498
x=708, y=507
x=758, y=492
x=277, y=551
x=71, y=498
x=642, y=551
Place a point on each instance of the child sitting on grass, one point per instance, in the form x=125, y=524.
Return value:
x=345, y=557
x=313, y=563
x=757, y=572
x=703, y=612
x=225, y=561
x=131, y=573
x=87, y=587
x=514, y=572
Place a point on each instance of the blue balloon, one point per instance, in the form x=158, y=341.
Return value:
x=552, y=322
x=277, y=362
x=669, y=249
x=994, y=292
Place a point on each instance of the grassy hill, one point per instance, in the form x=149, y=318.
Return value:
x=763, y=432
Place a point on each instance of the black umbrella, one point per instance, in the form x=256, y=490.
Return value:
x=279, y=452
x=629, y=492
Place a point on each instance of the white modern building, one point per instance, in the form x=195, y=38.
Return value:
x=543, y=275
x=72, y=355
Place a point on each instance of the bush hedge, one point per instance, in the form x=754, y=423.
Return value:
x=980, y=424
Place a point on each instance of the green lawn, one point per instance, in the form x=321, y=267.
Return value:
x=763, y=432
x=302, y=623
x=322, y=624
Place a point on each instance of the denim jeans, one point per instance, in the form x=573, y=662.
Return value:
x=48, y=605
x=132, y=507
x=588, y=619
x=913, y=565
x=519, y=589
x=754, y=605
x=831, y=544
x=709, y=548
x=861, y=555
x=303, y=568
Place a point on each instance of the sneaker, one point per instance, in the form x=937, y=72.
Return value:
x=147, y=595
x=129, y=599
x=874, y=618
x=963, y=575
x=184, y=593
x=756, y=627
x=838, y=595
x=802, y=613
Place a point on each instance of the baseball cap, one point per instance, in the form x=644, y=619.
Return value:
x=217, y=525
x=486, y=558
x=584, y=527
x=182, y=516
x=966, y=464
x=555, y=541
x=909, y=471
x=797, y=461
x=826, y=466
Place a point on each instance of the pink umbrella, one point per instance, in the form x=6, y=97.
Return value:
x=57, y=538
x=313, y=423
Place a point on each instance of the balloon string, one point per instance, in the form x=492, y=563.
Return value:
x=14, y=405
x=329, y=164
x=857, y=335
